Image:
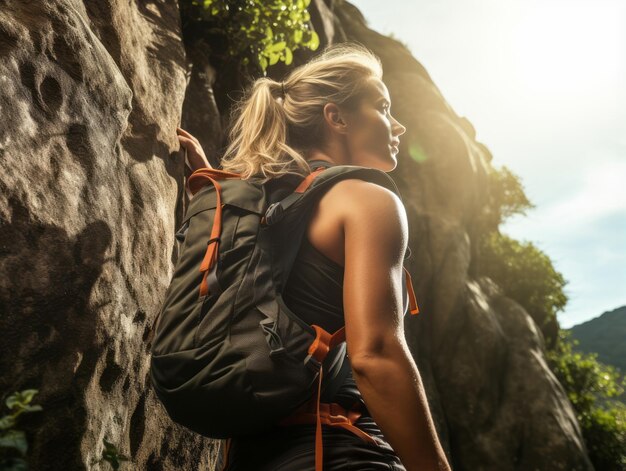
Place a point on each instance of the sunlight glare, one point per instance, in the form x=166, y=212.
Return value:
x=567, y=48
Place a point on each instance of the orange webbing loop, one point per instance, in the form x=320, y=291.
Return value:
x=210, y=257
x=330, y=414
x=197, y=180
x=333, y=415
x=324, y=342
x=409, y=286
x=304, y=184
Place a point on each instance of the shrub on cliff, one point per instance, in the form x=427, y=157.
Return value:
x=523, y=271
x=527, y=275
x=590, y=385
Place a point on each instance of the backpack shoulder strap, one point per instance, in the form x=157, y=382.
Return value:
x=323, y=176
x=292, y=212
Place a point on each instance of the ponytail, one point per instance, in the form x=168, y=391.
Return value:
x=258, y=138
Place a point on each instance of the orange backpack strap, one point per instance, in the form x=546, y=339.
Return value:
x=275, y=210
x=319, y=413
x=308, y=180
x=333, y=415
x=197, y=181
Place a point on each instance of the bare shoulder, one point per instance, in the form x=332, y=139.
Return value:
x=358, y=209
x=356, y=198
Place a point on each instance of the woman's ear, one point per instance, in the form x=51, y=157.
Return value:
x=334, y=117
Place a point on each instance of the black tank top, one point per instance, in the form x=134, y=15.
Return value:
x=314, y=291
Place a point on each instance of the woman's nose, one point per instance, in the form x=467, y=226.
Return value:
x=399, y=129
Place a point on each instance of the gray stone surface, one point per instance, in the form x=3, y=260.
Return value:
x=90, y=94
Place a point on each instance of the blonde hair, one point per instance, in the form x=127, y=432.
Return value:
x=271, y=132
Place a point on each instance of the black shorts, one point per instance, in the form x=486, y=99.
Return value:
x=293, y=449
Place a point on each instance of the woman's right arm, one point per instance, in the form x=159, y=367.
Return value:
x=376, y=236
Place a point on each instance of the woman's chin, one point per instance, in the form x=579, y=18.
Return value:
x=385, y=164
x=390, y=164
x=392, y=167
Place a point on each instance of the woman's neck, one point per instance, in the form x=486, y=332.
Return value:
x=334, y=153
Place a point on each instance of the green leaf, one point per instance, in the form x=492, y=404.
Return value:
x=279, y=46
x=14, y=439
x=20, y=398
x=7, y=422
x=294, y=15
x=288, y=56
x=111, y=455
x=315, y=41
x=274, y=58
x=297, y=36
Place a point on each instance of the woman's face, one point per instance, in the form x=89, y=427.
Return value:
x=371, y=132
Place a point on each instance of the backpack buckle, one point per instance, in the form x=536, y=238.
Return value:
x=274, y=213
x=182, y=232
x=270, y=328
x=312, y=363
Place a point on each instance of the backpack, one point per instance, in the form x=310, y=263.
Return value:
x=228, y=357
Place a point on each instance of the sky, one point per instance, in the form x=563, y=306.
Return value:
x=544, y=84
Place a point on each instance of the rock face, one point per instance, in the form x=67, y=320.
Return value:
x=91, y=96
x=92, y=192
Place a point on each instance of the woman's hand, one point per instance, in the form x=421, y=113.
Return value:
x=195, y=155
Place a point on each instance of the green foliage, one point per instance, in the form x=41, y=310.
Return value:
x=261, y=32
x=111, y=455
x=13, y=443
x=525, y=274
x=588, y=384
x=605, y=435
x=506, y=198
x=584, y=378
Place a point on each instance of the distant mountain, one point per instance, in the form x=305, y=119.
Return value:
x=606, y=336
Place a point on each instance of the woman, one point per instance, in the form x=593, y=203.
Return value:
x=336, y=109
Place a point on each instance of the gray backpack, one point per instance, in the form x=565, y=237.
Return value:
x=229, y=358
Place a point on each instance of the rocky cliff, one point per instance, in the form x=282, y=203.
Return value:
x=92, y=192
